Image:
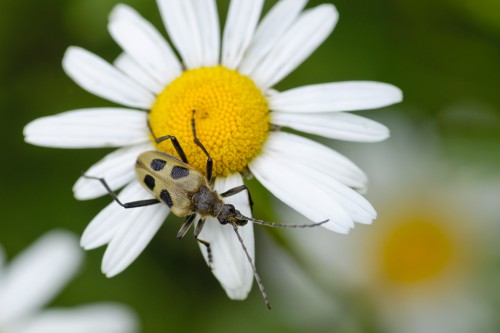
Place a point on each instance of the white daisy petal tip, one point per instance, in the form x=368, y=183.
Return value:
x=84, y=191
x=29, y=131
x=64, y=240
x=395, y=92
x=331, y=11
x=81, y=190
x=385, y=134
x=120, y=10
x=84, y=244
x=237, y=294
x=71, y=53
x=335, y=228
x=112, y=270
x=112, y=273
x=90, y=241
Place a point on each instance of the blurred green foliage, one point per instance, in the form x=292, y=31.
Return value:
x=444, y=55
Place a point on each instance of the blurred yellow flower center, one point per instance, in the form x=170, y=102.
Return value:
x=416, y=250
x=231, y=114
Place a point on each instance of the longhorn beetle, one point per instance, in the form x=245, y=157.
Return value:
x=187, y=192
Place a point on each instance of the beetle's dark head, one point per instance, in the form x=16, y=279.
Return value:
x=229, y=214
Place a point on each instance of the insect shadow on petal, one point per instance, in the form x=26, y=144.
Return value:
x=187, y=192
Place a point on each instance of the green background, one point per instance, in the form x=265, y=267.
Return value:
x=443, y=54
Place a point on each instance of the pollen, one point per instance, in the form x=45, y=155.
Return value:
x=231, y=117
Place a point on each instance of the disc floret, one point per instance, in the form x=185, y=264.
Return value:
x=232, y=117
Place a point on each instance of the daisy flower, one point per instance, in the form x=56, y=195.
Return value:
x=35, y=277
x=229, y=81
x=427, y=267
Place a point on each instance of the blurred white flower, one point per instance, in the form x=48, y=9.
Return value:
x=423, y=268
x=36, y=276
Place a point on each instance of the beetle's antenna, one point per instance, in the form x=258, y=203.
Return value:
x=280, y=225
x=257, y=277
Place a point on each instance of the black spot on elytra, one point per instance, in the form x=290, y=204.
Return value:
x=150, y=182
x=158, y=164
x=179, y=172
x=165, y=196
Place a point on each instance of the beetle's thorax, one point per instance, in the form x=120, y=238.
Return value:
x=206, y=202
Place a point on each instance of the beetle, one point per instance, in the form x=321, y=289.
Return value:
x=188, y=193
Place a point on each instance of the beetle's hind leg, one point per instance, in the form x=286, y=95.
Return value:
x=197, y=232
x=132, y=204
x=210, y=163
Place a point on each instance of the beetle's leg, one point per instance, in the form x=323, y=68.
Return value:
x=197, y=231
x=132, y=204
x=185, y=226
x=237, y=190
x=199, y=144
x=175, y=143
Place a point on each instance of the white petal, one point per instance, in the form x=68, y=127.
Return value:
x=183, y=28
x=117, y=168
x=302, y=38
x=337, y=125
x=128, y=66
x=357, y=207
x=2, y=270
x=230, y=264
x=105, y=225
x=338, y=96
x=208, y=24
x=316, y=155
x=100, y=78
x=133, y=234
x=240, y=26
x=140, y=39
x=269, y=31
x=89, y=128
x=2, y=260
x=37, y=275
x=300, y=193
x=98, y=318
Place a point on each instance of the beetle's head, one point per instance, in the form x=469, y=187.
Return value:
x=229, y=214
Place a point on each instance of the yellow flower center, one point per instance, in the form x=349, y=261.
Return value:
x=231, y=115
x=416, y=250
